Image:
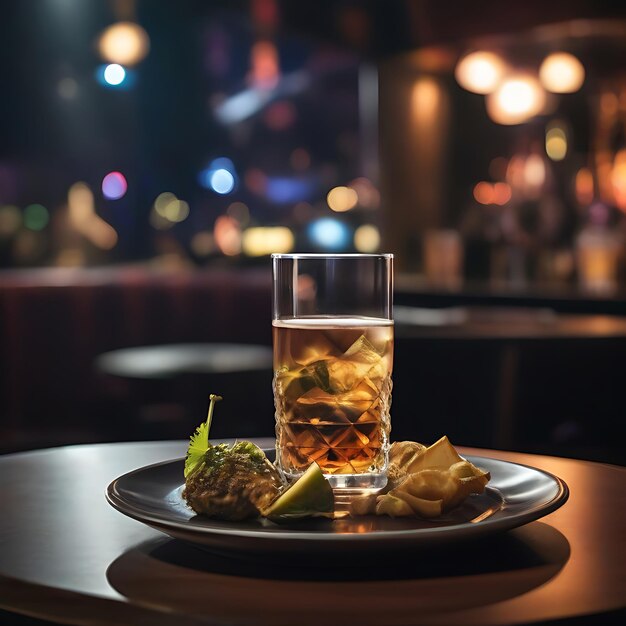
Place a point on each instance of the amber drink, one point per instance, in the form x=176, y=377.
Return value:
x=332, y=390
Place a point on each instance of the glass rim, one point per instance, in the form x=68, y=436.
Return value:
x=321, y=255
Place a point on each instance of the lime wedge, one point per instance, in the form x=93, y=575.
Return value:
x=310, y=496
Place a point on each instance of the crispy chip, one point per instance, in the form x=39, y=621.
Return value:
x=401, y=455
x=441, y=454
x=395, y=507
x=426, y=481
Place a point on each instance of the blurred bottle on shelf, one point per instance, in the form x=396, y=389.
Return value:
x=443, y=257
x=597, y=254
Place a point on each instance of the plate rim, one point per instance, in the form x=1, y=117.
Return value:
x=491, y=524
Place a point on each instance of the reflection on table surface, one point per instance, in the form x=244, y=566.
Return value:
x=68, y=556
x=369, y=587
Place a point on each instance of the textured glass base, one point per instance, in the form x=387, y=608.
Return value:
x=358, y=482
x=350, y=484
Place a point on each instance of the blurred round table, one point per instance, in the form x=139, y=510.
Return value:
x=163, y=389
x=167, y=361
x=67, y=556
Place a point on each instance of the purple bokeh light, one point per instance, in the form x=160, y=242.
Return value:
x=114, y=185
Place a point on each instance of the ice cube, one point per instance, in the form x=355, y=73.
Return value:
x=367, y=360
x=308, y=353
x=291, y=384
x=362, y=351
x=343, y=375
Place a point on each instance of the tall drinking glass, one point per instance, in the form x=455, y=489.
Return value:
x=333, y=355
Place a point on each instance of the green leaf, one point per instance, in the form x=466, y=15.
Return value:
x=199, y=441
x=198, y=445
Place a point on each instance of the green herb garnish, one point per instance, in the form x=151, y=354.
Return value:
x=199, y=442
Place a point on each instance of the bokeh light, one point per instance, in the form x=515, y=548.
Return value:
x=80, y=204
x=562, y=72
x=126, y=43
x=534, y=172
x=161, y=202
x=426, y=98
x=227, y=235
x=584, y=186
x=556, y=142
x=222, y=181
x=169, y=208
x=367, y=238
x=177, y=211
x=10, y=220
x=492, y=193
x=36, y=217
x=114, y=74
x=265, y=240
x=283, y=189
x=480, y=72
x=502, y=193
x=86, y=221
x=517, y=99
x=114, y=185
x=618, y=180
x=329, y=233
x=342, y=199
x=515, y=171
x=219, y=176
x=483, y=193
x=265, y=71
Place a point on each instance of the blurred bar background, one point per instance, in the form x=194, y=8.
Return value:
x=153, y=154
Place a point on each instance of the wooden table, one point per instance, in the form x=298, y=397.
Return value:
x=68, y=556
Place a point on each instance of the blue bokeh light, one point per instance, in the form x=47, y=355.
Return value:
x=222, y=181
x=219, y=176
x=329, y=234
x=114, y=74
x=284, y=190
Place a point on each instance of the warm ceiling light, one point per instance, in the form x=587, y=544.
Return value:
x=516, y=100
x=125, y=43
x=480, y=72
x=562, y=72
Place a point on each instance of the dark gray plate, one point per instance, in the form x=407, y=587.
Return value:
x=516, y=495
